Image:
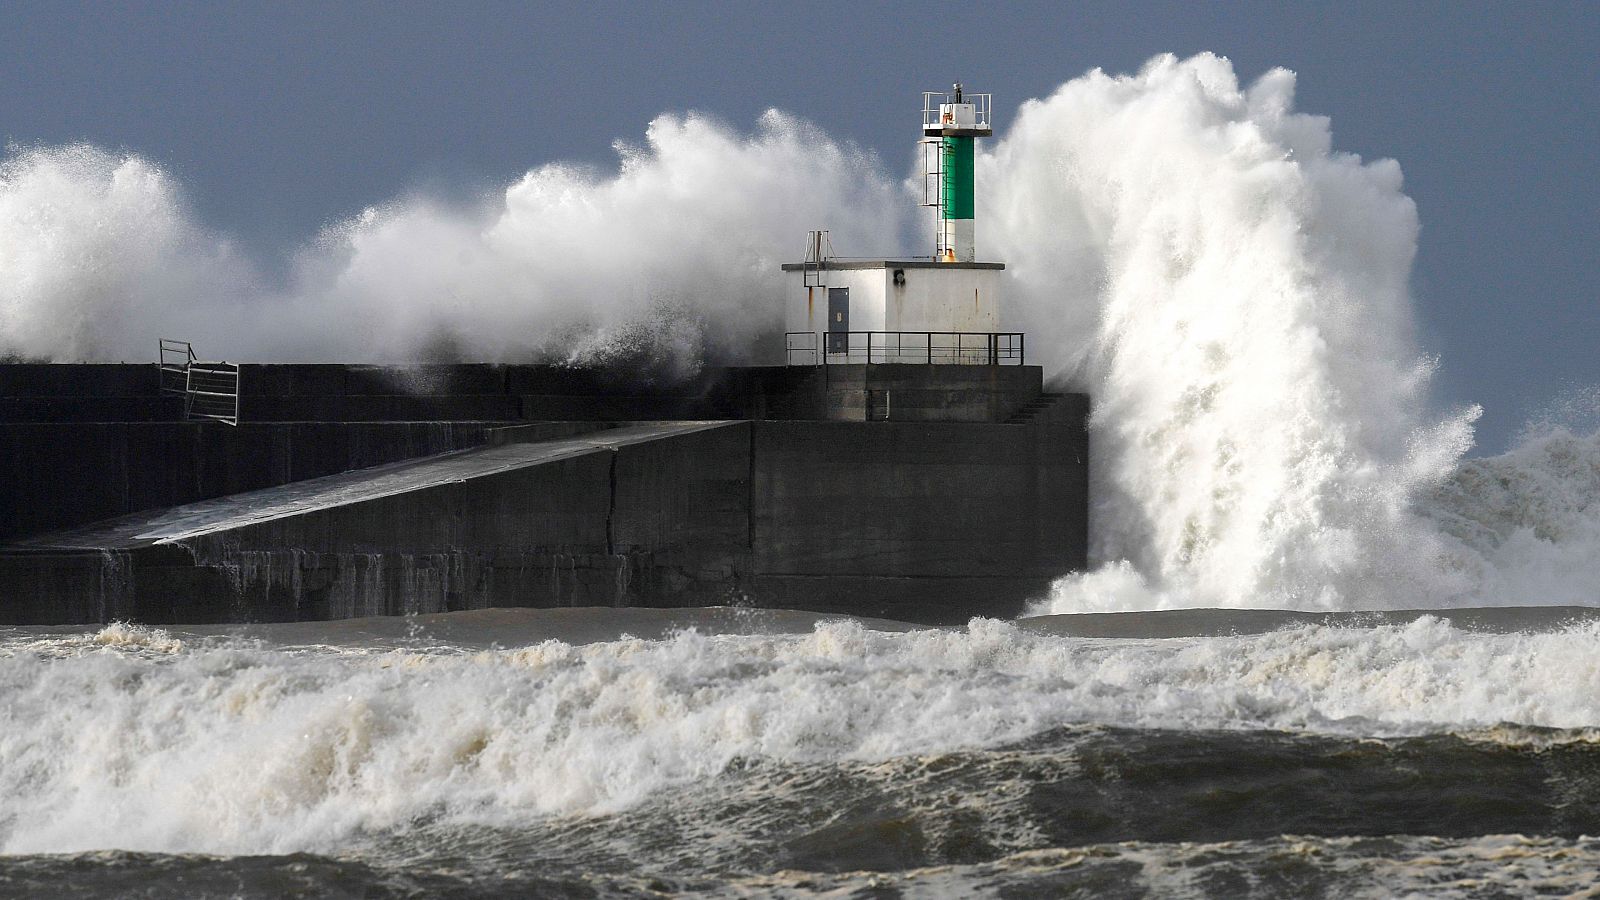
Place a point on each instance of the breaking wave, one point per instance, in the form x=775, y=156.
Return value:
x=237, y=748
x=1233, y=292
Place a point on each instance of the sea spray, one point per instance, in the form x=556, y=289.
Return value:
x=1527, y=521
x=1232, y=293
x=671, y=259
x=100, y=256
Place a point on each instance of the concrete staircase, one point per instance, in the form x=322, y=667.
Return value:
x=1031, y=410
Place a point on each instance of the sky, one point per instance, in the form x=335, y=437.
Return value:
x=280, y=118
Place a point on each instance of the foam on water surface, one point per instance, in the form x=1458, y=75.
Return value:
x=235, y=747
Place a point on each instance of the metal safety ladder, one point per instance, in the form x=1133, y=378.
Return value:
x=819, y=249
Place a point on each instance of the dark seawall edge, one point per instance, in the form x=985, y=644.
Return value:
x=515, y=627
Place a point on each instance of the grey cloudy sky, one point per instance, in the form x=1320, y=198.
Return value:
x=281, y=117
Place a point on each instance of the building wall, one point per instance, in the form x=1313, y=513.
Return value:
x=944, y=299
x=806, y=309
x=930, y=299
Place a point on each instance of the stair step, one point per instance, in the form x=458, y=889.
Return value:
x=1032, y=408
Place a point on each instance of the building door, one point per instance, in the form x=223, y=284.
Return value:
x=839, y=320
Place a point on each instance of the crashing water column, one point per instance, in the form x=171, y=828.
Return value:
x=953, y=122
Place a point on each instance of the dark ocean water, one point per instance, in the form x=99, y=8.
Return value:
x=592, y=753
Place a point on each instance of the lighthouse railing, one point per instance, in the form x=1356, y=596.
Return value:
x=965, y=348
x=933, y=103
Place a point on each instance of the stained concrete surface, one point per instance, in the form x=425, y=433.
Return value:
x=876, y=512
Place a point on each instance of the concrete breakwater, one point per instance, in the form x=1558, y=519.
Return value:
x=843, y=507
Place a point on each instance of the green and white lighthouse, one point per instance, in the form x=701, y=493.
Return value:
x=938, y=308
x=953, y=122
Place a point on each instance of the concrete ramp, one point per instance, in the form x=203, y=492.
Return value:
x=209, y=518
x=598, y=518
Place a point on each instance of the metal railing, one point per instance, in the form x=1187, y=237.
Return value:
x=210, y=389
x=800, y=349
x=214, y=391
x=970, y=348
x=175, y=357
x=932, y=101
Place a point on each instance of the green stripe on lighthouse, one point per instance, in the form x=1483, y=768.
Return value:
x=956, y=190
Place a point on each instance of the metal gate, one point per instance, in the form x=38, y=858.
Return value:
x=210, y=390
x=214, y=391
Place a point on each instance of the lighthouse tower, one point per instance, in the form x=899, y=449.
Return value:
x=953, y=122
x=940, y=308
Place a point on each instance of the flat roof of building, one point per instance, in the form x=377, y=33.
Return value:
x=893, y=264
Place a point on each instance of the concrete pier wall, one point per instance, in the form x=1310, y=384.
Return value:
x=919, y=393
x=80, y=443
x=929, y=493
x=483, y=392
x=908, y=517
x=57, y=475
x=931, y=522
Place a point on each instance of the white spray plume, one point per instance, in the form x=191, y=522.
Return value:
x=1528, y=520
x=672, y=258
x=1233, y=294
x=99, y=257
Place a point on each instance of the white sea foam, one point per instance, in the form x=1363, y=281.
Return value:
x=241, y=749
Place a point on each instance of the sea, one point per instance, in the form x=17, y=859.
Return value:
x=742, y=752
x=1327, y=646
